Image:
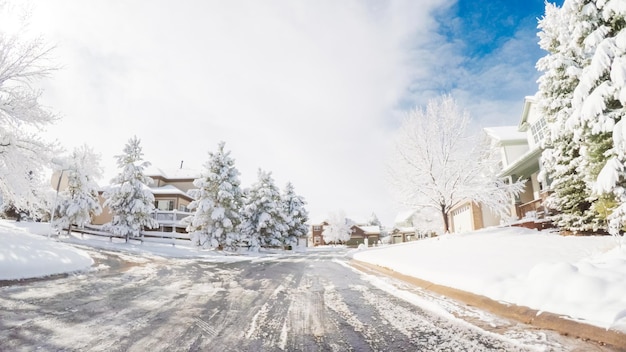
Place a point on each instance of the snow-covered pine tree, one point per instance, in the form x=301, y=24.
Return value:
x=129, y=199
x=23, y=154
x=373, y=220
x=599, y=100
x=217, y=205
x=295, y=213
x=339, y=228
x=264, y=222
x=80, y=200
x=571, y=194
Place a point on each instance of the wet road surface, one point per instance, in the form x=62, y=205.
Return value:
x=302, y=302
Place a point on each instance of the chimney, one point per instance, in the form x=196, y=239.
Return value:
x=181, y=164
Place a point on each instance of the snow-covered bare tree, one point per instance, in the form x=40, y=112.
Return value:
x=438, y=164
x=264, y=221
x=79, y=202
x=24, y=155
x=561, y=35
x=296, y=214
x=129, y=199
x=217, y=205
x=339, y=228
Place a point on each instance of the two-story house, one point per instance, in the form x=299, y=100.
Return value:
x=170, y=198
x=520, y=149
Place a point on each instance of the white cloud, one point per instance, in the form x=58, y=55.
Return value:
x=308, y=90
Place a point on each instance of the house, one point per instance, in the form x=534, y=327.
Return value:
x=358, y=235
x=528, y=206
x=469, y=216
x=411, y=225
x=364, y=234
x=520, y=149
x=170, y=198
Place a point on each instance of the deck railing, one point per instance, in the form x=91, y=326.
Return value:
x=170, y=217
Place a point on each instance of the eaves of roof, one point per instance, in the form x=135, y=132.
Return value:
x=525, y=165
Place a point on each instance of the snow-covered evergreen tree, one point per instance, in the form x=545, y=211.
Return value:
x=373, y=220
x=599, y=99
x=79, y=202
x=264, y=221
x=23, y=154
x=339, y=228
x=571, y=196
x=217, y=205
x=295, y=213
x=129, y=199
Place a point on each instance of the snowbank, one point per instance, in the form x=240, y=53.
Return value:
x=26, y=255
x=581, y=277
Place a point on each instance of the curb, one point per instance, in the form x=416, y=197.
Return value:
x=543, y=320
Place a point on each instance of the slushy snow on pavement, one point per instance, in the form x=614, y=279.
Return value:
x=580, y=277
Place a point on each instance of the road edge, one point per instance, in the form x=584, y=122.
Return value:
x=544, y=320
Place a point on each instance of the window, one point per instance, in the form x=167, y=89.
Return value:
x=317, y=228
x=165, y=205
x=538, y=130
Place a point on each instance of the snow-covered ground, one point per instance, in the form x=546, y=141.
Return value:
x=24, y=254
x=580, y=277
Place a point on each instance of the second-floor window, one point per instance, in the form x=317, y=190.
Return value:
x=538, y=130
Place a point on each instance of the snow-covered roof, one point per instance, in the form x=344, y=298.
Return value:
x=504, y=134
x=370, y=229
x=167, y=189
x=173, y=174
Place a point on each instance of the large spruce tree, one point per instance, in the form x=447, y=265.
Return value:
x=130, y=200
x=265, y=223
x=217, y=205
x=571, y=194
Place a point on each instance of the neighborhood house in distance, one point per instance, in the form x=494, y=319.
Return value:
x=520, y=150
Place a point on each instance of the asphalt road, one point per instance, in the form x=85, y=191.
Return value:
x=300, y=302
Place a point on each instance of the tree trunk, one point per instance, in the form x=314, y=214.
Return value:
x=446, y=221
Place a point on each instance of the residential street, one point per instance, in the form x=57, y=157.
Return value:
x=303, y=302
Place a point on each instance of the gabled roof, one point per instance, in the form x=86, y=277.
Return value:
x=506, y=135
x=168, y=190
x=173, y=174
x=372, y=230
x=528, y=102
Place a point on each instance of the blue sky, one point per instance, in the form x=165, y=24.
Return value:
x=312, y=91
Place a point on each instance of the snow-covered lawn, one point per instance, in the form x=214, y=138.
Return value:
x=580, y=277
x=24, y=254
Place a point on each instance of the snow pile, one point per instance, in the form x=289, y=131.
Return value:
x=25, y=255
x=581, y=277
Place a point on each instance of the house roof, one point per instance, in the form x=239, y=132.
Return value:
x=168, y=190
x=370, y=229
x=528, y=102
x=525, y=165
x=173, y=174
x=506, y=134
